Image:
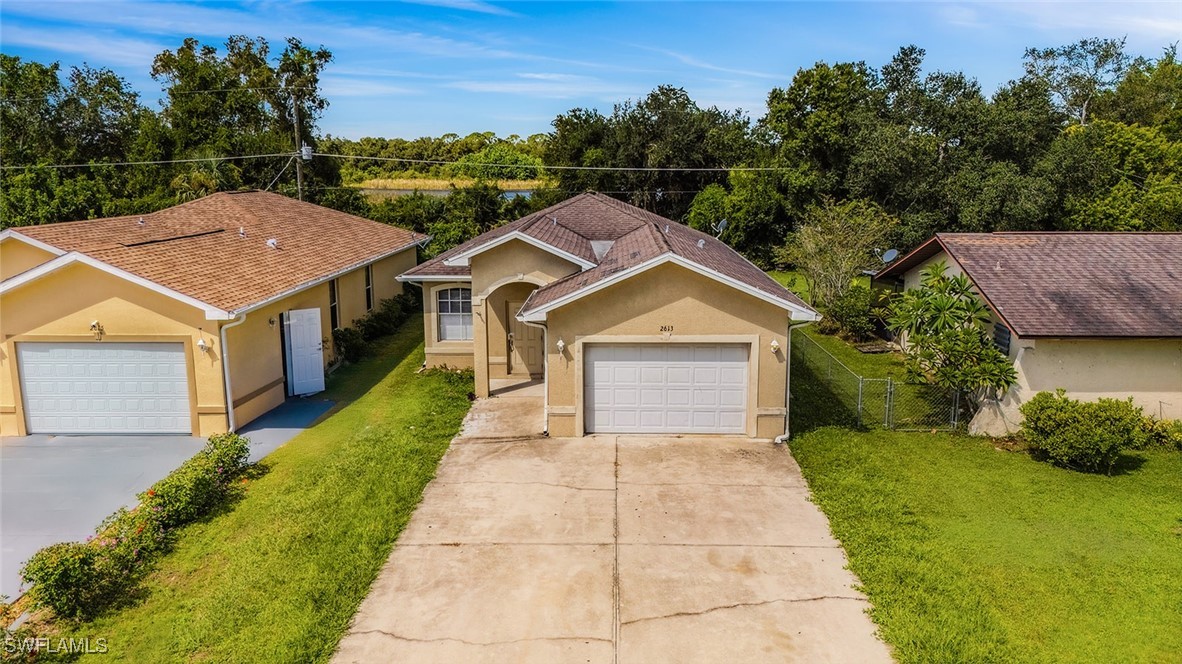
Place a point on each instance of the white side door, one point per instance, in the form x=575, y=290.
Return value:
x=305, y=351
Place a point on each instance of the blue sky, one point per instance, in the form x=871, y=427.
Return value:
x=435, y=66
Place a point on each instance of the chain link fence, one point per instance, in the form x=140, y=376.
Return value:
x=882, y=402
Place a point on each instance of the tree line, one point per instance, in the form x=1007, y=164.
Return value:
x=1088, y=138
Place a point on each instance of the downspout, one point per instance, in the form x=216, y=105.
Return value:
x=545, y=376
x=788, y=381
x=238, y=320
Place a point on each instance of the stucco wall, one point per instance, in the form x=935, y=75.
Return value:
x=17, y=256
x=1148, y=370
x=61, y=306
x=911, y=277
x=699, y=309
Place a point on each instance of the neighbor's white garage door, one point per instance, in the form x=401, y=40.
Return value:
x=104, y=387
x=665, y=388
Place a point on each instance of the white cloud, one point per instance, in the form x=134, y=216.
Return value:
x=466, y=5
x=701, y=64
x=342, y=86
x=1150, y=22
x=97, y=47
x=548, y=89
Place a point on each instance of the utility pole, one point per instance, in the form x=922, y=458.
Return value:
x=295, y=110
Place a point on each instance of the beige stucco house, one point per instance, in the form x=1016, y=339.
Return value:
x=145, y=324
x=1096, y=314
x=635, y=323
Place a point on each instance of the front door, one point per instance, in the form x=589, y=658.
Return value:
x=525, y=344
x=305, y=351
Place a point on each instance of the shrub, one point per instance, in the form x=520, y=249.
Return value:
x=1087, y=435
x=384, y=320
x=79, y=579
x=349, y=344
x=850, y=312
x=67, y=578
x=1165, y=434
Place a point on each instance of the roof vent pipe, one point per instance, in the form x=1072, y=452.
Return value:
x=701, y=244
x=241, y=232
x=140, y=222
x=273, y=243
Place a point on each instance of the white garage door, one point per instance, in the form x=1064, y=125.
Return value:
x=104, y=387
x=665, y=388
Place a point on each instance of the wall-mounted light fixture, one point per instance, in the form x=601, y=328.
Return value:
x=561, y=345
x=97, y=328
x=775, y=345
x=271, y=322
x=202, y=346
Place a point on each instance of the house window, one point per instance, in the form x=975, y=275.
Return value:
x=455, y=314
x=334, y=313
x=368, y=287
x=1001, y=338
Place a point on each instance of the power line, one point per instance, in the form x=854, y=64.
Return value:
x=146, y=163
x=650, y=169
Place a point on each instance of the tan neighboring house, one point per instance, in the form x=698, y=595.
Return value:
x=636, y=323
x=1096, y=314
x=144, y=324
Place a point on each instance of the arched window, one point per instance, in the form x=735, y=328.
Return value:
x=455, y=314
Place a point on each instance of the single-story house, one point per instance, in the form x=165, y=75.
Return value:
x=1096, y=314
x=144, y=324
x=636, y=323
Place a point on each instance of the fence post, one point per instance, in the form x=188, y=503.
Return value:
x=860, y=381
x=890, y=400
x=955, y=407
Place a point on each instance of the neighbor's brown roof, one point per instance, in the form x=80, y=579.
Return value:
x=635, y=236
x=1069, y=284
x=195, y=248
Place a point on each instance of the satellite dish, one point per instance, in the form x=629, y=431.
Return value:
x=719, y=227
x=890, y=255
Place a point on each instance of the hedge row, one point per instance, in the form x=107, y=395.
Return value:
x=352, y=343
x=80, y=579
x=1091, y=435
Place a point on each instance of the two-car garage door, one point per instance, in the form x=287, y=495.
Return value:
x=665, y=388
x=89, y=388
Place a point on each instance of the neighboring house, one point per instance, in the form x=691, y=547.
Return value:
x=1096, y=314
x=637, y=323
x=124, y=325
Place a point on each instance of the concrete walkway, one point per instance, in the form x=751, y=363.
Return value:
x=611, y=549
x=59, y=488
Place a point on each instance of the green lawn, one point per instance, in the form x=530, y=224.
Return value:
x=277, y=576
x=971, y=554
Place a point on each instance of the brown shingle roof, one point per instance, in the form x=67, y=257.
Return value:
x=195, y=248
x=625, y=236
x=1070, y=284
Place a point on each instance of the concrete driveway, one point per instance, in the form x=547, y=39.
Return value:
x=611, y=549
x=59, y=488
